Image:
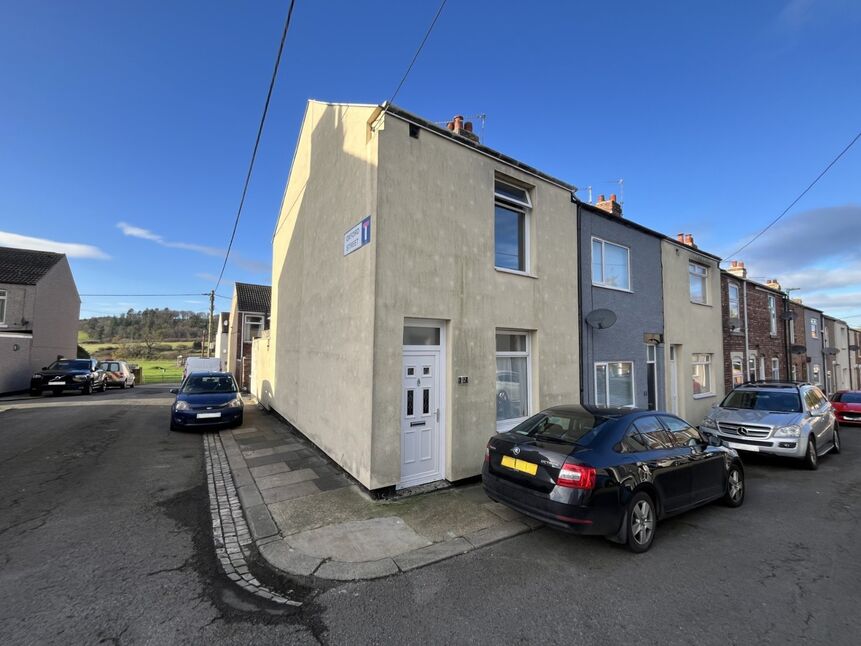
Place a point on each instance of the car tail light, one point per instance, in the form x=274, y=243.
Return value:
x=576, y=476
x=487, y=452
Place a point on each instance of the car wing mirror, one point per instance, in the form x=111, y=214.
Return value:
x=174, y=391
x=714, y=440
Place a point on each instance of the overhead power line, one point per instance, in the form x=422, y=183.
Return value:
x=418, y=51
x=795, y=201
x=257, y=140
x=145, y=295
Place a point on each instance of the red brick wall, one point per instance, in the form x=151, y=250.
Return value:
x=799, y=325
x=759, y=337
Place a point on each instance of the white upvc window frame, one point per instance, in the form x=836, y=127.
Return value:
x=508, y=424
x=245, y=326
x=708, y=362
x=523, y=207
x=4, y=301
x=734, y=301
x=737, y=376
x=814, y=328
x=704, y=276
x=775, y=368
x=606, y=365
x=603, y=283
x=772, y=315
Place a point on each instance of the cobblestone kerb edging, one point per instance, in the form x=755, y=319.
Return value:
x=232, y=538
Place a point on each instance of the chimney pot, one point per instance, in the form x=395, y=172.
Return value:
x=613, y=197
x=680, y=237
x=468, y=126
x=458, y=122
x=611, y=206
x=601, y=197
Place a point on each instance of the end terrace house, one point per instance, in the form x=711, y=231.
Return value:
x=39, y=310
x=424, y=294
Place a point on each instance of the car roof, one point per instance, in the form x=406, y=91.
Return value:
x=210, y=373
x=598, y=411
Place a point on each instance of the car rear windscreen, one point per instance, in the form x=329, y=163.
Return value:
x=848, y=398
x=200, y=384
x=768, y=400
x=563, y=426
x=70, y=364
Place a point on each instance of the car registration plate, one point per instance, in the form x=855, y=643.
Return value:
x=207, y=415
x=744, y=447
x=853, y=418
x=519, y=465
x=57, y=383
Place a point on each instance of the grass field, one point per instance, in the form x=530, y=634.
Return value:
x=153, y=373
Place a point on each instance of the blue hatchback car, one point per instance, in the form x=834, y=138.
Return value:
x=206, y=399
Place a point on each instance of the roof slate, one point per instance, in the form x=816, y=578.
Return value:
x=26, y=266
x=253, y=298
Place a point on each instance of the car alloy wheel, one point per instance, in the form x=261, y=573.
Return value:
x=836, y=438
x=811, y=459
x=735, y=487
x=641, y=522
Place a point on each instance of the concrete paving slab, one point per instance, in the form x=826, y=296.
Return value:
x=496, y=533
x=501, y=510
x=256, y=453
x=260, y=522
x=287, y=478
x=249, y=496
x=341, y=571
x=288, y=492
x=432, y=553
x=280, y=555
x=242, y=476
x=442, y=515
x=328, y=508
x=360, y=541
x=269, y=469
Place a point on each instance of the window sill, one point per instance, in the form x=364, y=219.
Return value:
x=508, y=424
x=701, y=304
x=615, y=289
x=704, y=395
x=515, y=272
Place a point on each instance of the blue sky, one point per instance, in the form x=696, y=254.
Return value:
x=127, y=127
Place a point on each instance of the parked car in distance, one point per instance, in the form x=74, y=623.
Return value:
x=206, y=399
x=69, y=374
x=118, y=373
x=609, y=471
x=847, y=406
x=201, y=364
x=776, y=417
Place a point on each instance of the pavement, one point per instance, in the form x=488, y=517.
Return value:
x=309, y=518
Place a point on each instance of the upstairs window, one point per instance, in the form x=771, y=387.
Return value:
x=610, y=265
x=511, y=227
x=814, y=328
x=253, y=328
x=734, y=309
x=2, y=306
x=698, y=278
x=772, y=315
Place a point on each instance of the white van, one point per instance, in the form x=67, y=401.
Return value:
x=201, y=364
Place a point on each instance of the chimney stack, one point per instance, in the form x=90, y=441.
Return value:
x=458, y=127
x=772, y=282
x=686, y=239
x=736, y=268
x=611, y=206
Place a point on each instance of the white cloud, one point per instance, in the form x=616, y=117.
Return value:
x=71, y=249
x=145, y=234
x=211, y=278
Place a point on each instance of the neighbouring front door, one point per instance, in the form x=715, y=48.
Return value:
x=420, y=442
x=674, y=381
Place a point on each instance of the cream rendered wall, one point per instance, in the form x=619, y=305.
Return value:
x=234, y=330
x=261, y=369
x=322, y=301
x=694, y=327
x=55, y=316
x=434, y=243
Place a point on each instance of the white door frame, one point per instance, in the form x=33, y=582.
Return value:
x=674, y=379
x=442, y=381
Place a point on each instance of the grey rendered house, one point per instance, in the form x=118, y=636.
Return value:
x=39, y=310
x=622, y=309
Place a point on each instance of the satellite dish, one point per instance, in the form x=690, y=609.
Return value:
x=601, y=319
x=788, y=316
x=832, y=351
x=798, y=349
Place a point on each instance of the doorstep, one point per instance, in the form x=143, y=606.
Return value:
x=308, y=518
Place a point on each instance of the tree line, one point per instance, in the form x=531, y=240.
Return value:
x=146, y=326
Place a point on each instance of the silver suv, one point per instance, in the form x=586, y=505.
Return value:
x=780, y=418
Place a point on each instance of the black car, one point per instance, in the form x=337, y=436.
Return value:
x=612, y=472
x=69, y=374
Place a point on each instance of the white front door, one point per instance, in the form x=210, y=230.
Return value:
x=420, y=427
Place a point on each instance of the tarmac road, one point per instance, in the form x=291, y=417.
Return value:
x=105, y=538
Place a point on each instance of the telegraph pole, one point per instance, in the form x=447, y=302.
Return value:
x=209, y=327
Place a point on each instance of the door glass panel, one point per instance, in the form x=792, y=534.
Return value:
x=425, y=401
x=511, y=395
x=410, y=395
x=414, y=335
x=426, y=370
x=601, y=384
x=411, y=371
